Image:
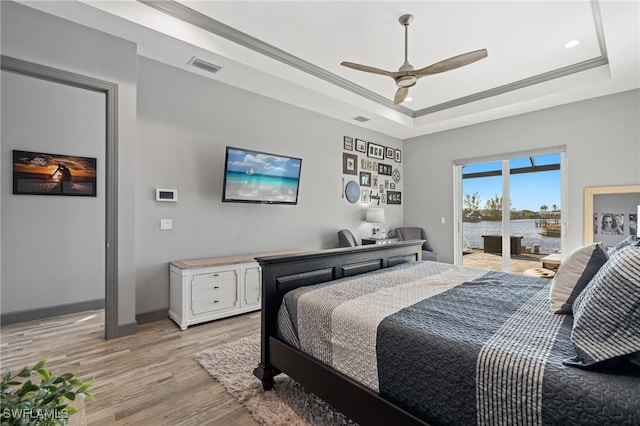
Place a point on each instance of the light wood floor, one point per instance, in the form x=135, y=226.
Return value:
x=149, y=378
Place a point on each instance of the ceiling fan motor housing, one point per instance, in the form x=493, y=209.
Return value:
x=406, y=81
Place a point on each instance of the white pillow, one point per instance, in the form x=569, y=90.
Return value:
x=574, y=274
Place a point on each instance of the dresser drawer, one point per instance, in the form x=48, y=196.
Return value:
x=217, y=276
x=214, y=291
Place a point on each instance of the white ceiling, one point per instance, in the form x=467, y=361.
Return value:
x=291, y=51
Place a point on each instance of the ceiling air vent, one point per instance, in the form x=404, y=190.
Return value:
x=204, y=65
x=361, y=119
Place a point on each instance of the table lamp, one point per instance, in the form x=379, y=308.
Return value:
x=375, y=216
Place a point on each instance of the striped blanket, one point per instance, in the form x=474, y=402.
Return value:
x=457, y=345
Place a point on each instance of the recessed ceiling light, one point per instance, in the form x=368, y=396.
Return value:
x=408, y=99
x=572, y=43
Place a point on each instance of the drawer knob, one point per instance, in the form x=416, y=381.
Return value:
x=216, y=275
x=216, y=287
x=215, y=301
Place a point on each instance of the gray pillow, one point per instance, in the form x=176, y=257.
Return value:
x=574, y=274
x=629, y=241
x=606, y=315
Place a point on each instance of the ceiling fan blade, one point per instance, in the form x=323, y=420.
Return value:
x=367, y=68
x=452, y=63
x=400, y=96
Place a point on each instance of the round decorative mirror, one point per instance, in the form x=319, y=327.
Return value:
x=352, y=191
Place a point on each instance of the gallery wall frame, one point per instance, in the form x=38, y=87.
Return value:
x=394, y=197
x=39, y=173
x=375, y=151
x=365, y=179
x=349, y=164
x=348, y=143
x=601, y=201
x=390, y=153
x=384, y=169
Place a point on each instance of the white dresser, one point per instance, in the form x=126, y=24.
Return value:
x=207, y=289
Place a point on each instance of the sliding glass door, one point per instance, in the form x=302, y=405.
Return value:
x=509, y=211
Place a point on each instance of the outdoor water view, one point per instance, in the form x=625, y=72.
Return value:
x=533, y=231
x=535, y=194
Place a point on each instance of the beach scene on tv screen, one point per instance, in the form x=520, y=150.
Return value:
x=253, y=176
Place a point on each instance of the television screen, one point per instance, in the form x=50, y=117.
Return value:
x=259, y=177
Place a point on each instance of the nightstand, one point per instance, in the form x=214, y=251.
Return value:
x=367, y=241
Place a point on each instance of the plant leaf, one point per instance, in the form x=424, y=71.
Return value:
x=27, y=396
x=46, y=375
x=26, y=387
x=67, y=376
x=25, y=372
x=84, y=387
x=40, y=364
x=88, y=395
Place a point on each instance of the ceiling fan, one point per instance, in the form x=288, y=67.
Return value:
x=407, y=76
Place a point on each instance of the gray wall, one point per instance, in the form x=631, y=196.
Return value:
x=41, y=38
x=184, y=124
x=602, y=137
x=53, y=247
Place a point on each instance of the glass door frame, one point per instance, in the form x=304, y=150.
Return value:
x=458, y=244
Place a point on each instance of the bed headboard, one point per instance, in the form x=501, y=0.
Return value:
x=284, y=273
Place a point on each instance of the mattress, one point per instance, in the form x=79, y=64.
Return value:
x=457, y=345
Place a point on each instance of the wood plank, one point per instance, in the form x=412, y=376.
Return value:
x=148, y=378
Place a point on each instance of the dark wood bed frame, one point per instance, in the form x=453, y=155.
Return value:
x=281, y=274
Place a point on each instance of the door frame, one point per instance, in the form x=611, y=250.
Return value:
x=110, y=90
x=458, y=244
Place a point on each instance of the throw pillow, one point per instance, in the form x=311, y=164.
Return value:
x=630, y=240
x=606, y=318
x=574, y=274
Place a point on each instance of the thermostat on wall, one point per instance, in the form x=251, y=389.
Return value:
x=166, y=194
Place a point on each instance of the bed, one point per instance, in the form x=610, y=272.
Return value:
x=389, y=339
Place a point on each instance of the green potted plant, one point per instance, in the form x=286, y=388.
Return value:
x=24, y=402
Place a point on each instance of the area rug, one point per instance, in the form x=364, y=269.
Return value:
x=287, y=403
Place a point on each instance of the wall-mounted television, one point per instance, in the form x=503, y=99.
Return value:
x=259, y=177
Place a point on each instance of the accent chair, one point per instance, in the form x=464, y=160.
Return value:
x=415, y=233
x=346, y=239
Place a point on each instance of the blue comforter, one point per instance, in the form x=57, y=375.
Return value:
x=458, y=346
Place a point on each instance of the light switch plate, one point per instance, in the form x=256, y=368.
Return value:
x=166, y=224
x=443, y=220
